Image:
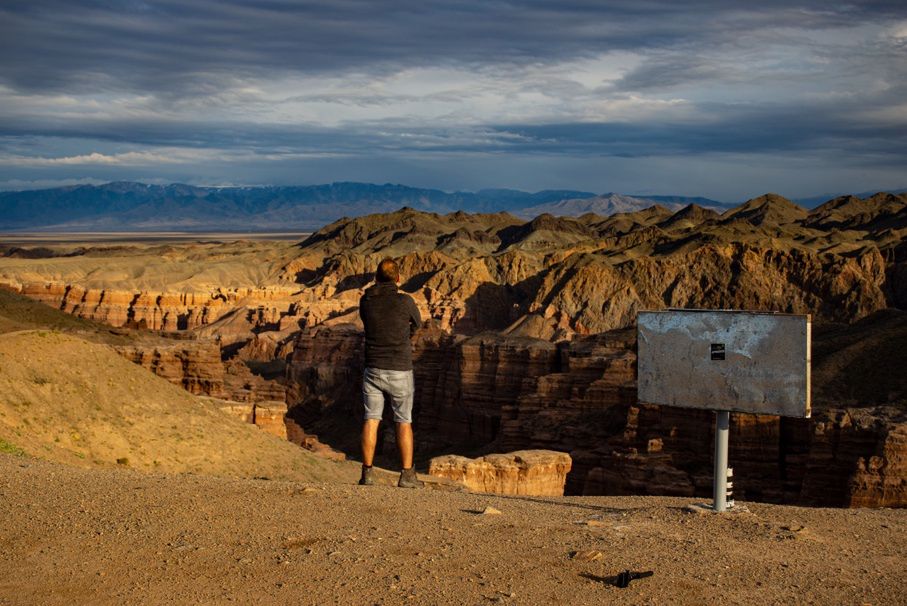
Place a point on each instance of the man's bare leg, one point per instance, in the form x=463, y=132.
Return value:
x=405, y=444
x=370, y=440
x=408, y=477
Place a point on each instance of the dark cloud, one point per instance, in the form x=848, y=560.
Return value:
x=826, y=130
x=829, y=127
x=184, y=47
x=815, y=80
x=667, y=72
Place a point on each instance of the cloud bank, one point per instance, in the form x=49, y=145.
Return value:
x=699, y=98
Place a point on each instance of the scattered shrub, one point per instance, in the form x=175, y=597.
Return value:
x=12, y=449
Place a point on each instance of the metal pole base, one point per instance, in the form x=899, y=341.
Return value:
x=722, y=429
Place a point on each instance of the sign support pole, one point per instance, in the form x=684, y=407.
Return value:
x=722, y=429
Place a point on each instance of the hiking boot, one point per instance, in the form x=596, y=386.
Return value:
x=408, y=479
x=366, y=479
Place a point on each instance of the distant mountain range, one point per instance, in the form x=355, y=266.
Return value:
x=612, y=203
x=140, y=207
x=128, y=206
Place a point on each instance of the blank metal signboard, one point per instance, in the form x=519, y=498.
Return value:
x=740, y=361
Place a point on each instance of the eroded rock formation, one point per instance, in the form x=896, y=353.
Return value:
x=268, y=416
x=579, y=397
x=525, y=472
x=228, y=313
x=194, y=365
x=197, y=366
x=550, y=277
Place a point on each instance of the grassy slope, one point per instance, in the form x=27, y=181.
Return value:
x=65, y=399
x=66, y=396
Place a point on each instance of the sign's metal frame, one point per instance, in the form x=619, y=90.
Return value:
x=731, y=360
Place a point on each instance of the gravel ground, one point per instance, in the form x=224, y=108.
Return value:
x=109, y=536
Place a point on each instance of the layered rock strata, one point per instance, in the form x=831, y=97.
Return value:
x=502, y=393
x=239, y=310
x=462, y=384
x=526, y=472
x=194, y=365
x=268, y=416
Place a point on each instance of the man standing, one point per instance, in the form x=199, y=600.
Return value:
x=390, y=318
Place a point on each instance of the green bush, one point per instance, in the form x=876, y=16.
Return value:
x=12, y=449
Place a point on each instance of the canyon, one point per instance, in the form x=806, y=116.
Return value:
x=492, y=393
x=529, y=340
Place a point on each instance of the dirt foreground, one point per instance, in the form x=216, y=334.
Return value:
x=110, y=536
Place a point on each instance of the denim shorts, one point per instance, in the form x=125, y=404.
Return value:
x=397, y=385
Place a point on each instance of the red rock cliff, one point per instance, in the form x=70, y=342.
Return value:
x=580, y=397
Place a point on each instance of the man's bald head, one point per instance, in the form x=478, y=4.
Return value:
x=387, y=271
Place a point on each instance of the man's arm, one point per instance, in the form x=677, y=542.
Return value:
x=415, y=319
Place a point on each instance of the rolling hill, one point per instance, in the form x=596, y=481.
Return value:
x=67, y=396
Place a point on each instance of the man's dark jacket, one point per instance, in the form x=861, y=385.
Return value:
x=390, y=318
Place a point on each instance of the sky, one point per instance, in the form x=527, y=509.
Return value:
x=727, y=100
